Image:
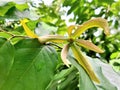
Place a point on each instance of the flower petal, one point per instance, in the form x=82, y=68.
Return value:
x=70, y=29
x=96, y=22
x=89, y=45
x=82, y=60
x=27, y=30
x=64, y=53
x=52, y=38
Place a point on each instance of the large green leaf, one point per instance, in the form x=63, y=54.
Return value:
x=105, y=73
x=33, y=67
x=6, y=59
x=85, y=83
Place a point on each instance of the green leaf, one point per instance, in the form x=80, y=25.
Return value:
x=4, y=9
x=5, y=35
x=115, y=55
x=85, y=83
x=22, y=7
x=33, y=67
x=6, y=59
x=67, y=79
x=106, y=75
x=115, y=64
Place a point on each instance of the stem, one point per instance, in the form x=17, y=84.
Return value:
x=17, y=36
x=54, y=45
x=7, y=32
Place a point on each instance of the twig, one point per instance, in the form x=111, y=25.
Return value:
x=54, y=45
x=7, y=32
x=19, y=36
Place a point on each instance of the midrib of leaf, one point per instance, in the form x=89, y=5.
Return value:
x=12, y=58
x=11, y=65
x=29, y=65
x=33, y=62
x=3, y=44
x=22, y=75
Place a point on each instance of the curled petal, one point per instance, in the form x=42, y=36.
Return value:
x=70, y=29
x=64, y=53
x=96, y=22
x=89, y=45
x=27, y=30
x=82, y=60
x=52, y=38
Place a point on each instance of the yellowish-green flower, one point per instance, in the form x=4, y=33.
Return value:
x=72, y=41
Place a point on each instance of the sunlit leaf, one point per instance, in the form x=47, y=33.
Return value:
x=21, y=7
x=96, y=22
x=5, y=35
x=64, y=54
x=115, y=55
x=82, y=60
x=4, y=9
x=27, y=30
x=115, y=64
x=89, y=45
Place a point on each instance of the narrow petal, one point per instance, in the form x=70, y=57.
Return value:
x=96, y=22
x=64, y=54
x=52, y=38
x=27, y=30
x=89, y=45
x=70, y=29
x=82, y=60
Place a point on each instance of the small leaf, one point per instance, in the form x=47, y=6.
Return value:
x=64, y=53
x=115, y=55
x=52, y=38
x=82, y=60
x=96, y=22
x=89, y=45
x=4, y=9
x=27, y=30
x=21, y=7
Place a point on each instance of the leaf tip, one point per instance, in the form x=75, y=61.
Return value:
x=64, y=53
